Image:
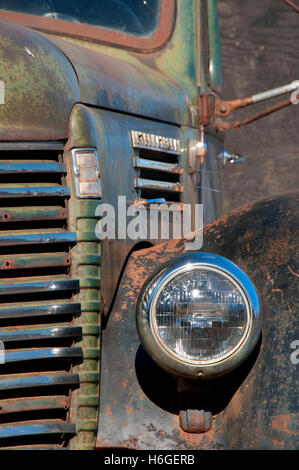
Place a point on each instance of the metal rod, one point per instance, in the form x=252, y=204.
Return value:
x=292, y=5
x=224, y=108
x=261, y=114
x=282, y=90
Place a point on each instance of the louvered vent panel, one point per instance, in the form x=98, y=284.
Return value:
x=158, y=175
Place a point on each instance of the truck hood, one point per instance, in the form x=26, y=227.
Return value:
x=44, y=76
x=40, y=86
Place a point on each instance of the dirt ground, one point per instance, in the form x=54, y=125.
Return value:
x=259, y=49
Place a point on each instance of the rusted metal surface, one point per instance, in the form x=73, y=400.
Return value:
x=223, y=126
x=260, y=115
x=223, y=108
x=39, y=322
x=96, y=33
x=26, y=261
x=159, y=85
x=206, y=104
x=86, y=265
x=33, y=213
x=92, y=127
x=195, y=421
x=257, y=406
x=38, y=80
x=139, y=89
x=39, y=69
x=33, y=404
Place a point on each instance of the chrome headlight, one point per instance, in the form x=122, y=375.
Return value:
x=199, y=317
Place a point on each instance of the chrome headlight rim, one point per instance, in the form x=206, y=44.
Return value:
x=147, y=327
x=192, y=268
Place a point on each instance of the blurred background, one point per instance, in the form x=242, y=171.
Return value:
x=260, y=50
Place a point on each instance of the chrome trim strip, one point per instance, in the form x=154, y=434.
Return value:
x=36, y=447
x=23, y=168
x=40, y=311
x=22, y=146
x=37, y=381
x=34, y=428
x=43, y=191
x=172, y=168
x=25, y=334
x=34, y=287
x=158, y=143
x=160, y=185
x=23, y=355
x=38, y=238
x=38, y=353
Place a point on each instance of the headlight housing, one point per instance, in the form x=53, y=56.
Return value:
x=199, y=317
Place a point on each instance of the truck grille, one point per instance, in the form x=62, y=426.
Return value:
x=37, y=305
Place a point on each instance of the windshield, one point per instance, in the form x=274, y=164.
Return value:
x=137, y=17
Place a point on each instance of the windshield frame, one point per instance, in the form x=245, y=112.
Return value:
x=100, y=34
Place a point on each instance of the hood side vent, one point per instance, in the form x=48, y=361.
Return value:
x=158, y=173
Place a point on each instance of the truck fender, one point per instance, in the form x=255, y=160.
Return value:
x=257, y=407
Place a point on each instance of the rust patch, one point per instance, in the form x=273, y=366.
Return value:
x=292, y=272
x=109, y=411
x=286, y=423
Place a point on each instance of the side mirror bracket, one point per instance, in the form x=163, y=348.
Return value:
x=212, y=109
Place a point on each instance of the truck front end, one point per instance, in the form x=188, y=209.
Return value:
x=101, y=133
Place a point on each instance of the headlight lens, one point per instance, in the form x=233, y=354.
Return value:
x=199, y=317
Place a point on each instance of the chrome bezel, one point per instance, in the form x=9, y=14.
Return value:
x=168, y=359
x=153, y=321
x=76, y=170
